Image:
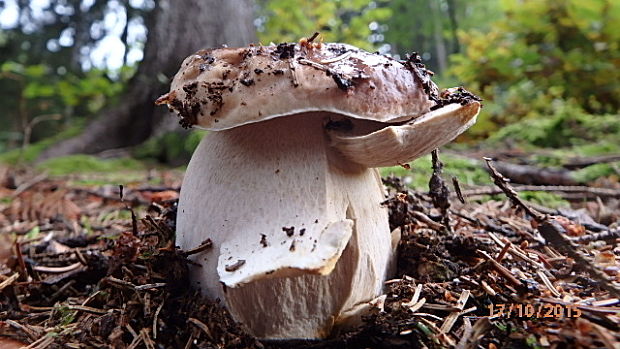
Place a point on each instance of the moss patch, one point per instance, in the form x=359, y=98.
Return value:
x=546, y=199
x=87, y=163
x=171, y=148
x=32, y=151
x=468, y=172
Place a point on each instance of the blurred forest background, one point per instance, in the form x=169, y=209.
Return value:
x=78, y=77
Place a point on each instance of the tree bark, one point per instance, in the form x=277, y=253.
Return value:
x=440, y=46
x=456, y=46
x=176, y=29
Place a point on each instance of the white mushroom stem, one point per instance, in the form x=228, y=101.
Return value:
x=300, y=238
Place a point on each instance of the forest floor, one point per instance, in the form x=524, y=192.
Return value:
x=84, y=264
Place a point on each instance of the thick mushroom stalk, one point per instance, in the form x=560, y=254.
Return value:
x=285, y=185
x=300, y=236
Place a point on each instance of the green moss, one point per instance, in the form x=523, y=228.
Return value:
x=557, y=138
x=606, y=146
x=171, y=148
x=32, y=151
x=593, y=172
x=546, y=199
x=87, y=163
x=532, y=342
x=468, y=172
x=568, y=126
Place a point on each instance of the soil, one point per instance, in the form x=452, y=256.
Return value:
x=77, y=280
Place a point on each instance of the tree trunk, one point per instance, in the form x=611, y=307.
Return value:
x=440, y=47
x=456, y=46
x=177, y=28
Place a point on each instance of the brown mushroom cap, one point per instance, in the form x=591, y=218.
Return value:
x=223, y=88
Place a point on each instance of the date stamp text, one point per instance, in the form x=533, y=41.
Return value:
x=530, y=310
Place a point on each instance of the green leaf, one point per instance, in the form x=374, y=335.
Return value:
x=36, y=71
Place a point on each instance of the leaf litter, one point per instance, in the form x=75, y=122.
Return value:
x=79, y=269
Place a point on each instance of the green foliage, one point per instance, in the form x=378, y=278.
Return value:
x=423, y=25
x=568, y=133
x=337, y=21
x=567, y=126
x=33, y=233
x=86, y=163
x=543, y=53
x=67, y=317
x=32, y=151
x=36, y=90
x=171, y=148
x=532, y=342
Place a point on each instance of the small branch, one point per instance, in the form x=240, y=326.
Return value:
x=451, y=319
x=609, y=235
x=205, y=245
x=28, y=129
x=150, y=286
x=155, y=318
x=502, y=183
x=87, y=309
x=336, y=59
x=502, y=270
x=119, y=282
x=9, y=281
x=314, y=36
x=527, y=174
x=553, y=233
x=576, y=163
x=573, y=189
x=44, y=269
x=457, y=189
x=201, y=325
x=439, y=191
x=27, y=185
x=426, y=219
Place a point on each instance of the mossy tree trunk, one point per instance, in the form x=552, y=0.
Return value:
x=176, y=29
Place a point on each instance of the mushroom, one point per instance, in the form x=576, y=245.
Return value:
x=285, y=184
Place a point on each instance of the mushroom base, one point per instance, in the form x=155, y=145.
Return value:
x=301, y=242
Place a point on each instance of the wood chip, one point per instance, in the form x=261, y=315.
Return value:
x=201, y=325
x=150, y=286
x=451, y=319
x=336, y=59
x=548, y=283
x=44, y=269
x=488, y=288
x=235, y=266
x=9, y=281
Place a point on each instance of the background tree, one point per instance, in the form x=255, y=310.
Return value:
x=47, y=70
x=173, y=34
x=59, y=67
x=356, y=22
x=430, y=27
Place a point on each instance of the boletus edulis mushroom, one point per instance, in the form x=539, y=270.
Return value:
x=285, y=185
